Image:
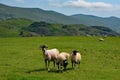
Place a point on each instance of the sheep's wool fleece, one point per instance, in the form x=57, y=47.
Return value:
x=65, y=54
x=61, y=58
x=76, y=57
x=51, y=54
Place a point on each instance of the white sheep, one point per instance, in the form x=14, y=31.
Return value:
x=101, y=39
x=62, y=60
x=49, y=55
x=75, y=59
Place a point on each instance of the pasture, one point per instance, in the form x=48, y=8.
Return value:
x=22, y=59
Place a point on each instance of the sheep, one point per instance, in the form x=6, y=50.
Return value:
x=101, y=39
x=49, y=55
x=75, y=59
x=62, y=60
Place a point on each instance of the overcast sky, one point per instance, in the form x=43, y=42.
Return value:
x=102, y=8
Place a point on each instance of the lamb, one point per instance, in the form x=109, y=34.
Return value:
x=49, y=55
x=75, y=59
x=62, y=60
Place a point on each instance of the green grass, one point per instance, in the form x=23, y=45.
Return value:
x=21, y=58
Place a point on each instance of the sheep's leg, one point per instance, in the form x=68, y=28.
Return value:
x=48, y=65
x=60, y=67
x=54, y=63
x=78, y=64
x=72, y=64
x=64, y=68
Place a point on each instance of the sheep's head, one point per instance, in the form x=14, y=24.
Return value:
x=74, y=52
x=65, y=63
x=43, y=47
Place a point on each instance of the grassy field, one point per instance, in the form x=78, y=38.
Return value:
x=21, y=58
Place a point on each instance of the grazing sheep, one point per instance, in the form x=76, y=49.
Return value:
x=101, y=39
x=75, y=59
x=49, y=55
x=62, y=60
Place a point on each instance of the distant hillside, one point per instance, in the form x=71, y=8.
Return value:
x=48, y=29
x=12, y=27
x=36, y=14
x=23, y=27
x=111, y=22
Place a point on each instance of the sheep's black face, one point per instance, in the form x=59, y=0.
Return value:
x=43, y=47
x=65, y=63
x=74, y=52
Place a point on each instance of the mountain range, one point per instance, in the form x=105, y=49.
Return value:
x=37, y=14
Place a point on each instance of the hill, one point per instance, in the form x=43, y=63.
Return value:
x=12, y=27
x=48, y=29
x=23, y=27
x=36, y=14
x=90, y=20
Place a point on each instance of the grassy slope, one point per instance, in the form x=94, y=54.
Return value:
x=21, y=58
x=11, y=27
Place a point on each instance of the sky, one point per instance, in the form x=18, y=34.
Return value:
x=101, y=8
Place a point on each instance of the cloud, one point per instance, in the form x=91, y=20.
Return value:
x=20, y=1
x=85, y=4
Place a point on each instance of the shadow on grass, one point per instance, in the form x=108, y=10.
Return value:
x=36, y=70
x=69, y=69
x=51, y=71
